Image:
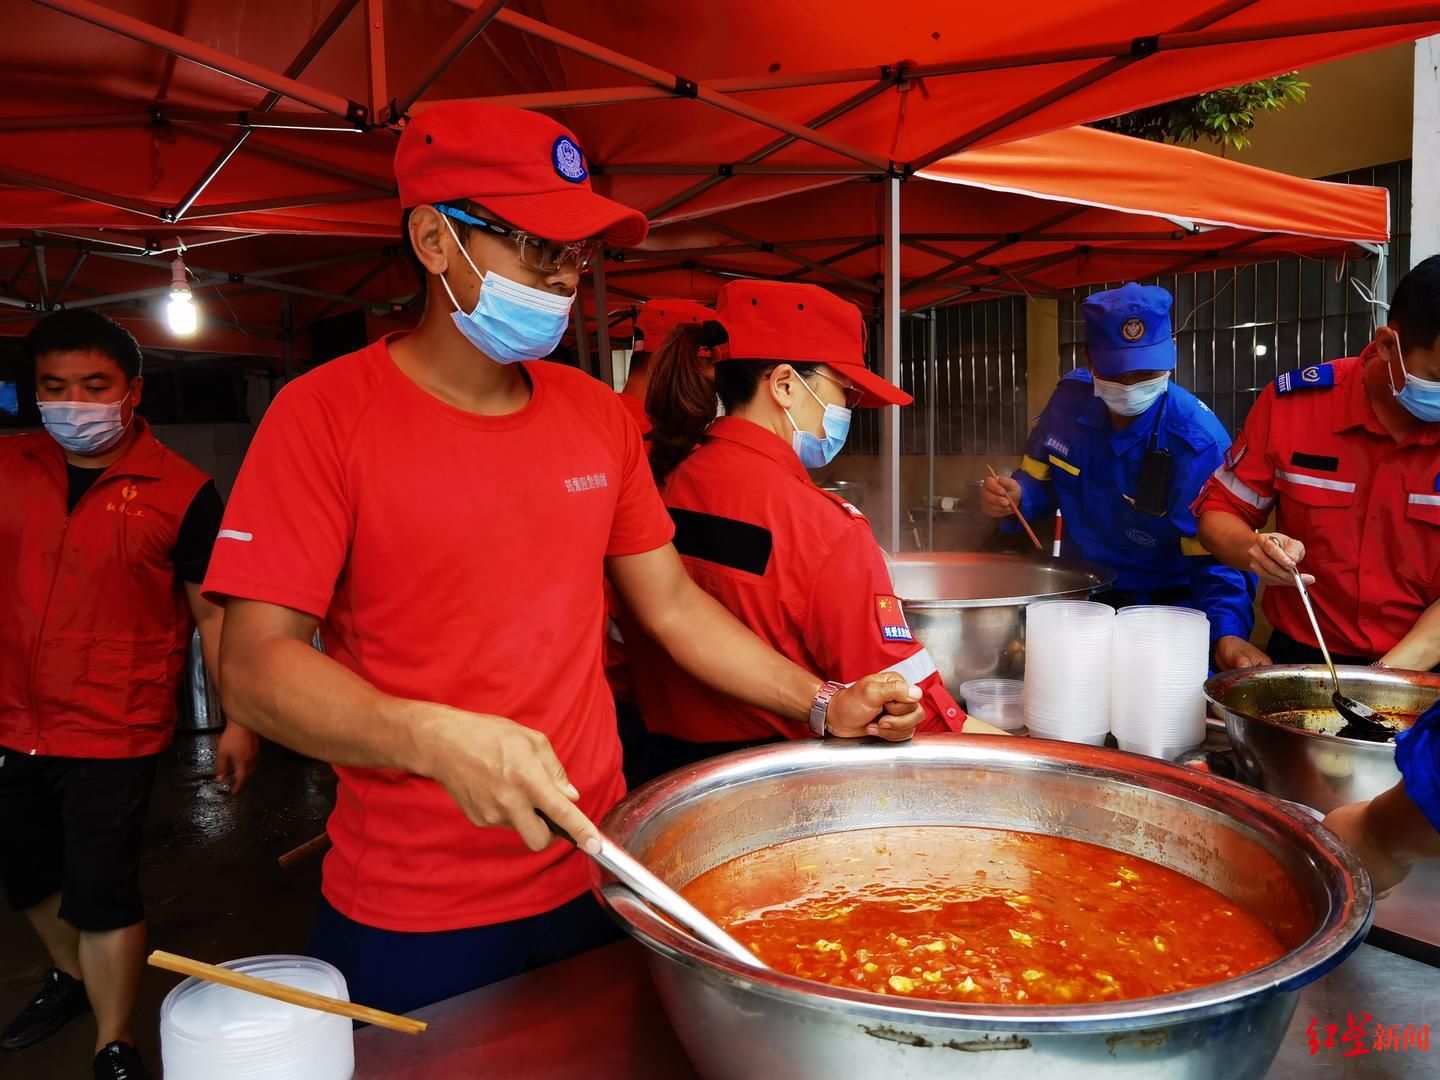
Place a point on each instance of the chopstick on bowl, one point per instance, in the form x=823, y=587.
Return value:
x=183, y=965
x=1016, y=507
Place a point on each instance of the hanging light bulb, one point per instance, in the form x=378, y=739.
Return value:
x=180, y=312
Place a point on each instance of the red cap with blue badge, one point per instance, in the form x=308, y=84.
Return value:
x=521, y=166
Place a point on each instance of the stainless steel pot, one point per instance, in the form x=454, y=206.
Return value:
x=736, y=1022
x=968, y=608
x=1316, y=768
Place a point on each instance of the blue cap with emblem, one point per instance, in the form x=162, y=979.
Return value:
x=1128, y=329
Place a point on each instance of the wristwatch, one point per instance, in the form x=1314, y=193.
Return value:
x=820, y=707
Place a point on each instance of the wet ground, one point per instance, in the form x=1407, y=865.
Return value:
x=212, y=887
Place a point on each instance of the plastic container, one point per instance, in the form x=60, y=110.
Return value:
x=1161, y=661
x=996, y=701
x=214, y=1032
x=1068, y=651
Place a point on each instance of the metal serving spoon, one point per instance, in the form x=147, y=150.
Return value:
x=1361, y=721
x=630, y=873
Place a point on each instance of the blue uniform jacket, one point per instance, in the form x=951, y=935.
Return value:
x=1077, y=458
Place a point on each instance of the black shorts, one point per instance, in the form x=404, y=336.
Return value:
x=74, y=826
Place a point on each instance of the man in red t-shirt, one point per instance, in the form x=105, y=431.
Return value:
x=446, y=509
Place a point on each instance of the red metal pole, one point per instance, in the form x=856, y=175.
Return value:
x=480, y=16
x=233, y=66
x=76, y=191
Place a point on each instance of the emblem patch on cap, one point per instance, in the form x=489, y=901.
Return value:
x=569, y=159
x=1133, y=330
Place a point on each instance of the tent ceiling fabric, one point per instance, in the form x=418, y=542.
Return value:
x=121, y=118
x=1039, y=216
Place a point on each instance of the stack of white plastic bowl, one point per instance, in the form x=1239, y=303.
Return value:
x=1162, y=658
x=1000, y=702
x=214, y=1032
x=1068, y=647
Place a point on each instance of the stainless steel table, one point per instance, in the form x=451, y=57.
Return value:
x=596, y=1017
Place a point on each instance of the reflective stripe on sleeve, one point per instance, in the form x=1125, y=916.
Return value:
x=1241, y=490
x=1425, y=500
x=916, y=669
x=1065, y=465
x=1038, y=469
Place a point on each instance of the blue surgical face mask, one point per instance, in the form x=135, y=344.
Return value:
x=84, y=427
x=1132, y=400
x=1421, y=397
x=812, y=450
x=511, y=322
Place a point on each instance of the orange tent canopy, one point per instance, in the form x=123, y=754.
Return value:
x=1037, y=216
x=128, y=118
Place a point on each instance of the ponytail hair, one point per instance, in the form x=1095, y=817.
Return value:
x=686, y=387
x=681, y=398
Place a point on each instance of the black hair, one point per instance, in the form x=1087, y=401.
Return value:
x=1415, y=307
x=684, y=389
x=462, y=230
x=73, y=329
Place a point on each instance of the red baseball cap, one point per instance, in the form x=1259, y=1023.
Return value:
x=520, y=165
x=805, y=324
x=658, y=317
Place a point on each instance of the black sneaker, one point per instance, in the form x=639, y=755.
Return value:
x=119, y=1061
x=60, y=1000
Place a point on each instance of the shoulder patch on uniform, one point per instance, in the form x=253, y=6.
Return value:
x=891, y=617
x=1060, y=446
x=853, y=510
x=1237, y=451
x=1316, y=375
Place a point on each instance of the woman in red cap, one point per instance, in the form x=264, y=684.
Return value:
x=797, y=565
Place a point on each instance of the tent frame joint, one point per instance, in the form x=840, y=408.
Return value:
x=1141, y=47
x=687, y=88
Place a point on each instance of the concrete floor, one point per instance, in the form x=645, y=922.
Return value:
x=212, y=888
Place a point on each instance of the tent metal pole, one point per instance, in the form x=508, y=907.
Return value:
x=364, y=279
x=720, y=172
x=311, y=48
x=681, y=86
x=931, y=380
x=752, y=160
x=838, y=257
x=375, y=54
x=40, y=279
x=890, y=415
x=69, y=279
x=782, y=251
x=474, y=25
x=194, y=51
x=604, y=360
x=577, y=319
x=75, y=191
x=287, y=339
x=305, y=161
x=1073, y=85
x=284, y=202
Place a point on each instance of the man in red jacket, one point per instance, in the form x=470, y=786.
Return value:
x=105, y=536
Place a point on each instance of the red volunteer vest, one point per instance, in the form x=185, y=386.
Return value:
x=96, y=626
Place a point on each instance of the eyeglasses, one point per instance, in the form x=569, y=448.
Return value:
x=853, y=394
x=535, y=252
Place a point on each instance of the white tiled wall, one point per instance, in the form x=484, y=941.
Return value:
x=215, y=448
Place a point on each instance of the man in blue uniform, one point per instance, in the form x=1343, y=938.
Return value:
x=1123, y=451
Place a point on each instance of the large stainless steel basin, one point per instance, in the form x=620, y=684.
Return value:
x=968, y=608
x=1314, y=767
x=736, y=1022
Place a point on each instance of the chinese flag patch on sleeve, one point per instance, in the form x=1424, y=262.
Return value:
x=893, y=626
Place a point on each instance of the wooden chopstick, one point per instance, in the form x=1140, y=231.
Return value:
x=1016, y=507
x=313, y=846
x=183, y=965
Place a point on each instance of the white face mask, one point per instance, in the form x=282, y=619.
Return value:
x=1133, y=400
x=84, y=427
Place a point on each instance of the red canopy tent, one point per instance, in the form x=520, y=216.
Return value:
x=270, y=117
x=1038, y=217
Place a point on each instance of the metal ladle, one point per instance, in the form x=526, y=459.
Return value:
x=1361, y=721
x=632, y=874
